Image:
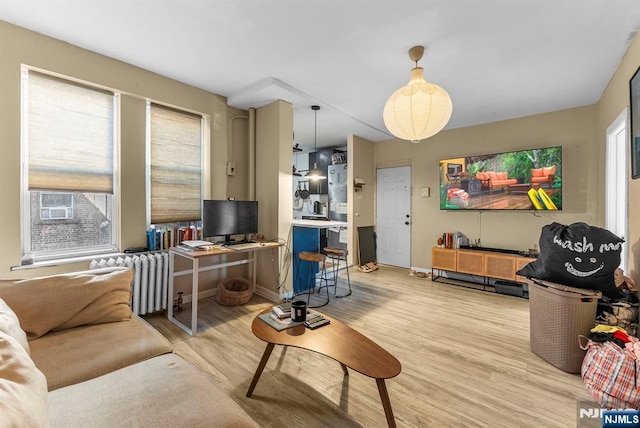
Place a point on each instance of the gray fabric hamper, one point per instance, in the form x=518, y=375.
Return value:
x=558, y=315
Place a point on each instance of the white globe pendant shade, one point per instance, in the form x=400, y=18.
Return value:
x=418, y=110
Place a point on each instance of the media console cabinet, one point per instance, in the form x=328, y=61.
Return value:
x=487, y=264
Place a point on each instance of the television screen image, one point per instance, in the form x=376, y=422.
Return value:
x=517, y=180
x=229, y=217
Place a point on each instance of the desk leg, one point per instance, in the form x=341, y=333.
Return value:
x=194, y=297
x=386, y=404
x=261, y=365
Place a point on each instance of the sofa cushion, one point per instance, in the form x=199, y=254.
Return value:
x=78, y=354
x=501, y=175
x=9, y=324
x=58, y=302
x=23, y=388
x=492, y=175
x=549, y=170
x=162, y=391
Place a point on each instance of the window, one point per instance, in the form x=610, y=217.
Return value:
x=69, y=155
x=175, y=165
x=56, y=206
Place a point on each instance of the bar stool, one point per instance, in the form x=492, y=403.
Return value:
x=337, y=255
x=311, y=258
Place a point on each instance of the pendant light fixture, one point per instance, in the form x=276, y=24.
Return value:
x=419, y=109
x=315, y=173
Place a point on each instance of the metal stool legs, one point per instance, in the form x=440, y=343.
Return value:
x=337, y=255
x=312, y=258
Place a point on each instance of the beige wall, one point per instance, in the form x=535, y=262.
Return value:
x=614, y=100
x=21, y=46
x=274, y=157
x=361, y=211
x=573, y=129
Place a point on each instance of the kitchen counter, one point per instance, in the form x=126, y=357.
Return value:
x=320, y=224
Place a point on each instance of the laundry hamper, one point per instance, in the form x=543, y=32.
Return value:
x=558, y=315
x=234, y=291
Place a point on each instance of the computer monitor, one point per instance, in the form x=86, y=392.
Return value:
x=229, y=217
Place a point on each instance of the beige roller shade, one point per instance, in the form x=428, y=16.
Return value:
x=70, y=136
x=176, y=166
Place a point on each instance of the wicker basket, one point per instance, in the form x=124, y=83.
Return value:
x=558, y=315
x=234, y=291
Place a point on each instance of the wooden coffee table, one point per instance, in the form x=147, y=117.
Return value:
x=338, y=341
x=522, y=188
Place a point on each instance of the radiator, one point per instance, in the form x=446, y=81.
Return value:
x=150, y=279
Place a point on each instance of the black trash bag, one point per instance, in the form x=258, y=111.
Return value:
x=578, y=255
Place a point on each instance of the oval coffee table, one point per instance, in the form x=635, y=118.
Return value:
x=338, y=341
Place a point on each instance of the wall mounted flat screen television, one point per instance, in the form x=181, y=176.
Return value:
x=517, y=180
x=229, y=217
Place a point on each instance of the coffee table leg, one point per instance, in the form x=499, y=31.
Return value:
x=263, y=362
x=344, y=369
x=386, y=404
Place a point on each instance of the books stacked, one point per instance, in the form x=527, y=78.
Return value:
x=282, y=311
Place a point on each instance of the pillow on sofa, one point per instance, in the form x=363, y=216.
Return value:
x=58, y=302
x=501, y=175
x=549, y=170
x=23, y=388
x=10, y=325
x=537, y=172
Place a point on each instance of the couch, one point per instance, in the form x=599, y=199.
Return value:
x=543, y=176
x=72, y=354
x=491, y=180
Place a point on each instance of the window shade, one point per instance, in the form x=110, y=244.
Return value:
x=176, y=167
x=70, y=136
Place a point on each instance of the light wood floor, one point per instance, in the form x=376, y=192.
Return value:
x=465, y=358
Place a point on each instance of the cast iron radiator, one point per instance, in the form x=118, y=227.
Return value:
x=150, y=279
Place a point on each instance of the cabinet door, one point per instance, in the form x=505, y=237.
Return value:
x=443, y=258
x=500, y=266
x=470, y=262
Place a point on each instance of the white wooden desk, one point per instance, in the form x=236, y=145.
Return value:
x=194, y=257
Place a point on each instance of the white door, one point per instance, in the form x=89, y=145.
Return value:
x=616, y=182
x=393, y=216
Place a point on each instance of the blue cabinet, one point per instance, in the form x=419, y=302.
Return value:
x=306, y=239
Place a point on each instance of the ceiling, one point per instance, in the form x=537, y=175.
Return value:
x=498, y=59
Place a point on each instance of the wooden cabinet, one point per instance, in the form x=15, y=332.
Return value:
x=501, y=266
x=477, y=262
x=471, y=262
x=443, y=258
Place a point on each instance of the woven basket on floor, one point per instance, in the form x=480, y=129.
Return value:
x=234, y=291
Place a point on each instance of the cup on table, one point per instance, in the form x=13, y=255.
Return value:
x=298, y=311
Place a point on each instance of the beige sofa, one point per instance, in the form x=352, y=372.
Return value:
x=72, y=354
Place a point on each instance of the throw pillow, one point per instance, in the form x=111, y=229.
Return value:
x=10, y=325
x=537, y=172
x=23, y=388
x=58, y=302
x=578, y=255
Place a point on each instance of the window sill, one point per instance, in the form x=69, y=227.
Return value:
x=59, y=262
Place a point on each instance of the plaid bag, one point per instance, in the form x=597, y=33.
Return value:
x=610, y=375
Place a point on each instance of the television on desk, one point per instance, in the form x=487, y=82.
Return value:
x=228, y=218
